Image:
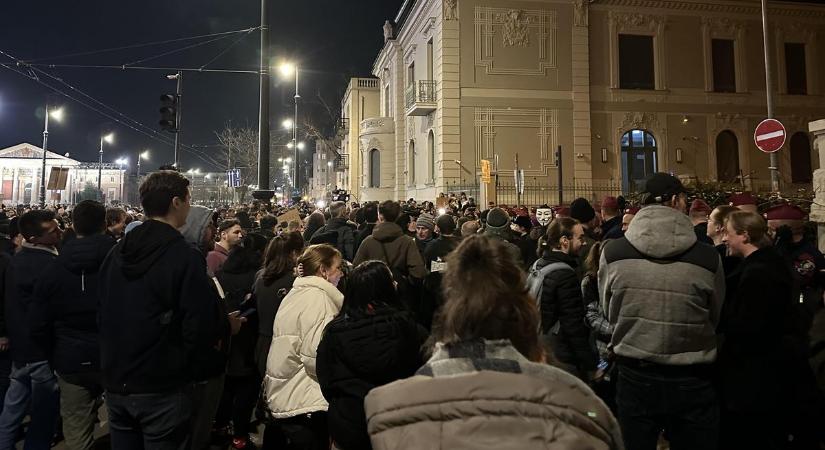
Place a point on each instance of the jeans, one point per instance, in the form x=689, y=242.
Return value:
x=239, y=397
x=79, y=404
x=207, y=396
x=150, y=421
x=33, y=382
x=685, y=406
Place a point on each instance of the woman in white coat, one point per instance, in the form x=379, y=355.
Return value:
x=291, y=385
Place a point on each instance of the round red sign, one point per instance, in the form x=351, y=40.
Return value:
x=769, y=135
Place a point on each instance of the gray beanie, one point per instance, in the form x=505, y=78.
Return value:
x=498, y=218
x=426, y=220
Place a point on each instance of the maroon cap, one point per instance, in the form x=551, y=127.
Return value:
x=632, y=210
x=610, y=202
x=562, y=211
x=699, y=205
x=785, y=212
x=744, y=198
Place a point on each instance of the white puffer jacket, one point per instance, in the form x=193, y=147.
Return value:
x=290, y=384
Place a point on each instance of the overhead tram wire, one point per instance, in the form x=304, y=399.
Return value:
x=177, y=50
x=147, y=44
x=165, y=69
x=153, y=135
x=226, y=49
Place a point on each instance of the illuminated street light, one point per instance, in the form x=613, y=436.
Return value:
x=287, y=69
x=109, y=138
x=287, y=124
x=301, y=146
x=56, y=114
x=290, y=145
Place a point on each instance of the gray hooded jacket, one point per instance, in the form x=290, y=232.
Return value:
x=662, y=290
x=196, y=222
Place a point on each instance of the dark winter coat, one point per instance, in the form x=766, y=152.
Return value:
x=610, y=225
x=160, y=316
x=339, y=233
x=268, y=299
x=763, y=347
x=64, y=315
x=358, y=354
x=363, y=231
x=237, y=286
x=22, y=276
x=561, y=301
x=528, y=248
x=701, y=231
x=388, y=243
x=5, y=260
x=432, y=297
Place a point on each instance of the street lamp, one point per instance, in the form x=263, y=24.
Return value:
x=287, y=124
x=121, y=162
x=109, y=138
x=288, y=69
x=144, y=155
x=56, y=114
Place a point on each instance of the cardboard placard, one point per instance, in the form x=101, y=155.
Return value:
x=289, y=216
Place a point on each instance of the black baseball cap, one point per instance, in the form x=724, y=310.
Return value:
x=660, y=187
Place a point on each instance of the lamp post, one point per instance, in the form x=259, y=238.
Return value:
x=288, y=69
x=264, y=194
x=109, y=138
x=121, y=162
x=144, y=155
x=58, y=116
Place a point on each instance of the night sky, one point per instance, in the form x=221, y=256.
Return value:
x=332, y=40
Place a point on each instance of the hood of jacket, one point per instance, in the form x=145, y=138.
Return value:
x=85, y=254
x=387, y=231
x=554, y=257
x=147, y=243
x=661, y=232
x=196, y=222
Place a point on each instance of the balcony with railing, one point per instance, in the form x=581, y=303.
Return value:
x=420, y=98
x=343, y=125
x=341, y=162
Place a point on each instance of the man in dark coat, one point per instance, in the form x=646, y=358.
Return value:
x=338, y=231
x=32, y=378
x=527, y=245
x=611, y=217
x=699, y=212
x=64, y=321
x=370, y=211
x=390, y=244
x=160, y=322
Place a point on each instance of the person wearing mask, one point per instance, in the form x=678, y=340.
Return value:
x=663, y=292
x=160, y=322
x=230, y=235
x=371, y=342
x=699, y=215
x=64, y=321
x=32, y=378
x=487, y=384
x=242, y=383
x=315, y=221
x=764, y=345
x=338, y=231
x=115, y=222
x=291, y=390
x=424, y=231
x=561, y=306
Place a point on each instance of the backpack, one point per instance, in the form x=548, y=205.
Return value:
x=536, y=276
x=342, y=239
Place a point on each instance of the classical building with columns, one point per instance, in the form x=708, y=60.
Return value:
x=20, y=177
x=623, y=87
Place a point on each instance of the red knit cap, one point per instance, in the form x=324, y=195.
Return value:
x=633, y=210
x=785, y=212
x=699, y=205
x=610, y=202
x=744, y=198
x=562, y=211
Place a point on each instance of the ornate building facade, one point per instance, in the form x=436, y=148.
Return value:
x=20, y=177
x=623, y=87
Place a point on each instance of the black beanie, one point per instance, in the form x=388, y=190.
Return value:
x=498, y=218
x=581, y=210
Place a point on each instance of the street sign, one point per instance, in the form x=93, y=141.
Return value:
x=233, y=178
x=769, y=135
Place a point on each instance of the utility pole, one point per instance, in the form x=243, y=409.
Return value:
x=774, y=167
x=295, y=130
x=263, y=193
x=43, y=171
x=178, y=92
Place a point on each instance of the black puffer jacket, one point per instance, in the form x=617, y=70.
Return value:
x=358, y=354
x=237, y=282
x=64, y=316
x=561, y=301
x=268, y=298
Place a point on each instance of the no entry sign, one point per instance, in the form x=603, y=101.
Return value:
x=769, y=135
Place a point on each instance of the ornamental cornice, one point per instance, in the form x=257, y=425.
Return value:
x=626, y=21
x=724, y=8
x=723, y=25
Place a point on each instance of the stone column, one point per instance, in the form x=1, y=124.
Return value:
x=817, y=128
x=582, y=142
x=15, y=185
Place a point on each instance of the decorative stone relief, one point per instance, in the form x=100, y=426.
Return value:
x=379, y=125
x=723, y=25
x=581, y=13
x=635, y=21
x=514, y=33
x=410, y=54
x=518, y=28
x=388, y=31
x=639, y=121
x=450, y=9
x=488, y=120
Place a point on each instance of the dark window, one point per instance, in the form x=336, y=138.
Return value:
x=795, y=68
x=727, y=157
x=801, y=171
x=636, y=66
x=375, y=168
x=724, y=67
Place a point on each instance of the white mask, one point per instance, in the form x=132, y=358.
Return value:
x=544, y=216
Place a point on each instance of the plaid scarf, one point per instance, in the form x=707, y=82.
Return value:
x=480, y=354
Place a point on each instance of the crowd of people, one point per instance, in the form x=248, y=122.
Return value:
x=407, y=325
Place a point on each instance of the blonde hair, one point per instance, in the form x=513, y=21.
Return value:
x=316, y=257
x=753, y=224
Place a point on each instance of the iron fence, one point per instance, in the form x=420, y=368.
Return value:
x=537, y=192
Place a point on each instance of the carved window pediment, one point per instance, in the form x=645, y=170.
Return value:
x=636, y=22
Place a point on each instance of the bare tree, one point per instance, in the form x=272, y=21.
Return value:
x=240, y=145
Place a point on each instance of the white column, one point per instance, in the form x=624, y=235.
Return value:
x=817, y=208
x=15, y=182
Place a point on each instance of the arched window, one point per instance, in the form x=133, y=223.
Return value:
x=411, y=164
x=727, y=157
x=375, y=168
x=801, y=170
x=638, y=158
x=431, y=152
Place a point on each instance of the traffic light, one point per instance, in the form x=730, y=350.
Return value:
x=169, y=112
